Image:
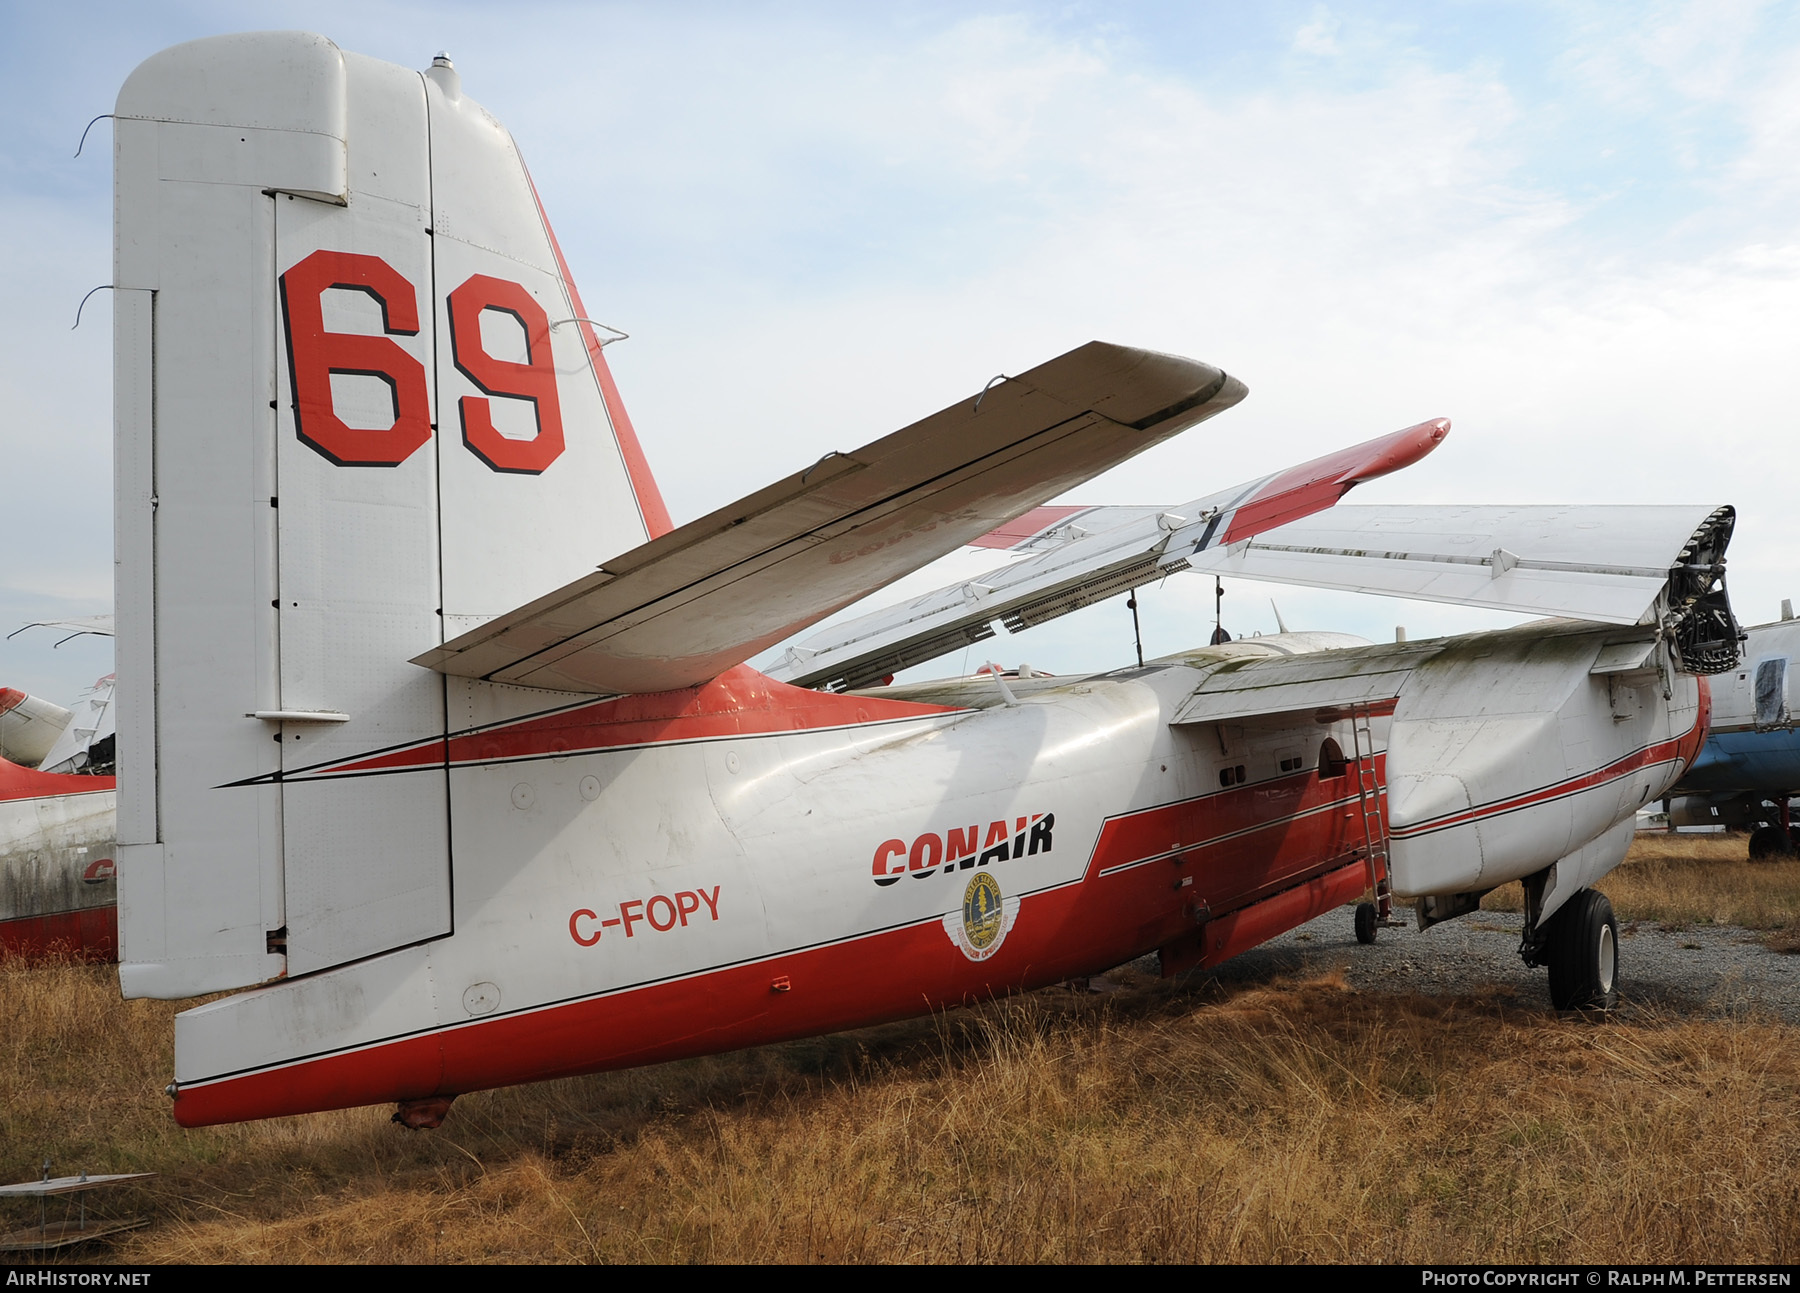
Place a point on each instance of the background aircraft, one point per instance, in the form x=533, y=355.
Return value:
x=57, y=887
x=1750, y=767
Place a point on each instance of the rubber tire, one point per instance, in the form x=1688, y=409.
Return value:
x=1584, y=954
x=1770, y=844
x=1365, y=922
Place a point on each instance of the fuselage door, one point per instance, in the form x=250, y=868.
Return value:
x=1771, y=693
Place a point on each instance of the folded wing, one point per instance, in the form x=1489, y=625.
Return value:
x=1609, y=564
x=683, y=608
x=1068, y=558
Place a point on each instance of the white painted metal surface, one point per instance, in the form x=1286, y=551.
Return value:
x=1261, y=688
x=1503, y=758
x=1769, y=657
x=1607, y=564
x=202, y=134
x=292, y=215
x=29, y=727
x=365, y=868
x=56, y=854
x=92, y=720
x=1588, y=562
x=512, y=531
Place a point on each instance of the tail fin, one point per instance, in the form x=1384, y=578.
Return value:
x=358, y=411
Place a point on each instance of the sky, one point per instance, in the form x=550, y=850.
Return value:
x=1572, y=229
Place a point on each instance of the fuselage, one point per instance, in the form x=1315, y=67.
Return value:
x=655, y=877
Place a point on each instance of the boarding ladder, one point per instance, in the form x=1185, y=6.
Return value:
x=1369, y=792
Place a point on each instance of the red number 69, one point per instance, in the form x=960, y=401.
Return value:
x=534, y=380
x=315, y=354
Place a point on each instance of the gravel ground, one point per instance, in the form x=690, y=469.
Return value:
x=1715, y=972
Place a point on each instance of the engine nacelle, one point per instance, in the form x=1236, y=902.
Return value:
x=1512, y=752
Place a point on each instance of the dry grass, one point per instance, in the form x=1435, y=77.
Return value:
x=1296, y=1121
x=1678, y=881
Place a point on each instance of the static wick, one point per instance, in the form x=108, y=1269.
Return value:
x=618, y=334
x=810, y=470
x=993, y=381
x=104, y=116
x=104, y=287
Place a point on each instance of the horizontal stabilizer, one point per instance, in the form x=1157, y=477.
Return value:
x=683, y=608
x=1085, y=556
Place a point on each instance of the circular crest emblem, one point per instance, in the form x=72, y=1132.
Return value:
x=981, y=911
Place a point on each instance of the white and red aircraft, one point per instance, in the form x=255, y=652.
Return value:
x=56, y=823
x=463, y=810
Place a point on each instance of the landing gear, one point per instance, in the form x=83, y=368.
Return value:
x=1366, y=922
x=1770, y=844
x=1582, y=946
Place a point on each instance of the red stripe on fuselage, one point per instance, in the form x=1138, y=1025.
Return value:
x=1677, y=749
x=739, y=702
x=1702, y=727
x=1237, y=846
x=29, y=783
x=1064, y=930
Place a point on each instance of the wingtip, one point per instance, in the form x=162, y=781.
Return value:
x=1137, y=387
x=1401, y=449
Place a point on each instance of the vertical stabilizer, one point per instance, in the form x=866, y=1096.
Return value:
x=357, y=412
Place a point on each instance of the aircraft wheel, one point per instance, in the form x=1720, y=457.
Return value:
x=1770, y=844
x=1584, y=954
x=1365, y=922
